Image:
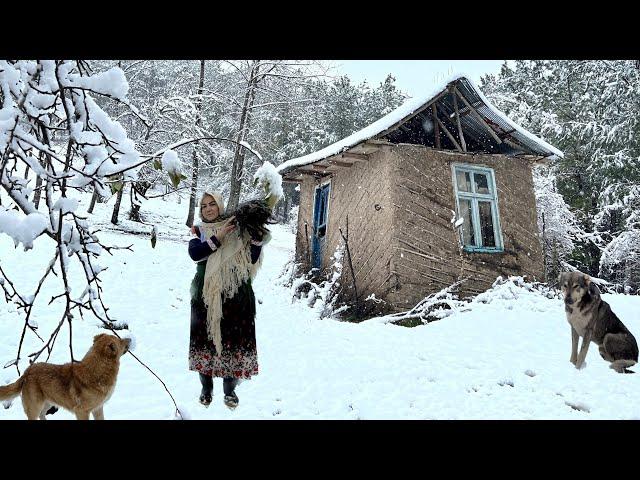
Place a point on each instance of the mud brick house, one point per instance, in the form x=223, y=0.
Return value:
x=438, y=190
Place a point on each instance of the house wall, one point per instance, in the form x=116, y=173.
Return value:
x=427, y=257
x=355, y=192
x=407, y=248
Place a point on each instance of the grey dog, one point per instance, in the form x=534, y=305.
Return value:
x=591, y=318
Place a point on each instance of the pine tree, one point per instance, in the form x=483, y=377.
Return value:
x=588, y=109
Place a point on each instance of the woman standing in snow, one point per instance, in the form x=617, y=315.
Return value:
x=223, y=337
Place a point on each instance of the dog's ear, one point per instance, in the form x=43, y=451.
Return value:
x=587, y=280
x=97, y=337
x=560, y=277
x=111, y=349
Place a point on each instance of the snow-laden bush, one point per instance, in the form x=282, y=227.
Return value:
x=557, y=225
x=446, y=303
x=321, y=293
x=433, y=307
x=620, y=261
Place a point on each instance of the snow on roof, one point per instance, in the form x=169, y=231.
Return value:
x=401, y=113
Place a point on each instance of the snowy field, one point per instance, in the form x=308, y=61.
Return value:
x=505, y=358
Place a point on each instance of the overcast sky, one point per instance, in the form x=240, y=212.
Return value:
x=414, y=77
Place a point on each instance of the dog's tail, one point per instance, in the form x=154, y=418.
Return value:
x=620, y=366
x=9, y=392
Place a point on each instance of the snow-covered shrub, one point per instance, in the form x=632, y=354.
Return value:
x=445, y=303
x=620, y=261
x=557, y=225
x=321, y=293
x=433, y=307
x=514, y=287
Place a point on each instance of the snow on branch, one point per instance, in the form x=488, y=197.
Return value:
x=56, y=140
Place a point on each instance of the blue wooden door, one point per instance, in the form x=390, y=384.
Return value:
x=320, y=223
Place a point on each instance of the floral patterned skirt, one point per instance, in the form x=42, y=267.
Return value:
x=239, y=358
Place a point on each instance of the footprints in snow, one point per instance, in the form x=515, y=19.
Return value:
x=578, y=406
x=503, y=383
x=506, y=382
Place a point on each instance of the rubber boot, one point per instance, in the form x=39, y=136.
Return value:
x=230, y=398
x=207, y=389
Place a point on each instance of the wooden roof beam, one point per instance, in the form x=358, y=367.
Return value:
x=364, y=148
x=409, y=117
x=292, y=180
x=446, y=130
x=356, y=157
x=514, y=145
x=460, y=133
x=306, y=171
x=338, y=163
x=379, y=142
x=434, y=116
x=477, y=115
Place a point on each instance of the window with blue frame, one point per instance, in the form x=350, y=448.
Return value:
x=477, y=204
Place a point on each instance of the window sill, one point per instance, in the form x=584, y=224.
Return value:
x=483, y=250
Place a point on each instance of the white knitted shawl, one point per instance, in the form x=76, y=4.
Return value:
x=227, y=268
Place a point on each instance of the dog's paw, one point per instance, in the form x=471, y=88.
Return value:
x=582, y=366
x=7, y=404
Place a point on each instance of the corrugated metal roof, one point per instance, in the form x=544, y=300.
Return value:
x=500, y=124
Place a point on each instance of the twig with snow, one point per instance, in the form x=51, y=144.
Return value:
x=47, y=108
x=425, y=307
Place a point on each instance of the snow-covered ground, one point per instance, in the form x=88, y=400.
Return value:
x=507, y=357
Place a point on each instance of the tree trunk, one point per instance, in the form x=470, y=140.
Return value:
x=36, y=192
x=195, y=163
x=238, y=157
x=41, y=159
x=141, y=188
x=116, y=207
x=94, y=197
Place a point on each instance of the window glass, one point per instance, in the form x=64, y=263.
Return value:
x=464, y=181
x=486, y=224
x=482, y=182
x=468, y=237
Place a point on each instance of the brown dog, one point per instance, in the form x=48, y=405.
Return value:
x=592, y=319
x=82, y=387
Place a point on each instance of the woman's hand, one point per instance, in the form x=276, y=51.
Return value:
x=227, y=227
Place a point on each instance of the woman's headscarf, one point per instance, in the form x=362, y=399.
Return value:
x=217, y=196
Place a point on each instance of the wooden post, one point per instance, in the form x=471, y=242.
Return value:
x=306, y=236
x=436, y=126
x=460, y=134
x=446, y=130
x=353, y=274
